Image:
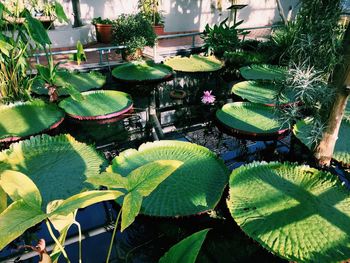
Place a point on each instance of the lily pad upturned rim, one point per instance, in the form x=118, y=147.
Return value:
x=243, y=134
x=341, y=157
x=246, y=72
x=150, y=64
x=119, y=113
x=36, y=147
x=37, y=102
x=187, y=60
x=284, y=206
x=65, y=75
x=237, y=89
x=170, y=198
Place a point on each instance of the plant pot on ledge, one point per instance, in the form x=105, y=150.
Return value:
x=158, y=29
x=104, y=33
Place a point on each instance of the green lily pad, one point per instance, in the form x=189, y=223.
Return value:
x=57, y=165
x=263, y=72
x=97, y=105
x=80, y=81
x=141, y=71
x=302, y=130
x=194, y=63
x=297, y=212
x=260, y=92
x=252, y=119
x=196, y=186
x=23, y=119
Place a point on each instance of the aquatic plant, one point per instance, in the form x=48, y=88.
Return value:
x=296, y=212
x=32, y=117
x=186, y=251
x=207, y=97
x=263, y=72
x=194, y=63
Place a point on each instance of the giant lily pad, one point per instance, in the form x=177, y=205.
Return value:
x=297, y=212
x=261, y=92
x=57, y=165
x=250, y=119
x=196, y=186
x=97, y=105
x=141, y=71
x=303, y=129
x=263, y=72
x=23, y=119
x=80, y=81
x=194, y=63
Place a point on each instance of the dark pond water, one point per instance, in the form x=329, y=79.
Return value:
x=148, y=238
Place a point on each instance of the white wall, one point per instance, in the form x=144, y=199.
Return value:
x=185, y=15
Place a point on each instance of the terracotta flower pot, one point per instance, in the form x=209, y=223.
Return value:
x=104, y=33
x=159, y=30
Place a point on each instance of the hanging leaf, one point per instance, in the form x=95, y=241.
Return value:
x=37, y=30
x=186, y=251
x=61, y=15
x=5, y=47
x=16, y=219
x=19, y=186
x=130, y=209
x=83, y=200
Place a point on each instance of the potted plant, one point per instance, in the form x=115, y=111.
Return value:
x=103, y=29
x=135, y=32
x=149, y=9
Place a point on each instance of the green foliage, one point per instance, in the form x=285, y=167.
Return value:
x=237, y=59
x=264, y=72
x=97, y=104
x=99, y=20
x=142, y=71
x=186, y=251
x=299, y=213
x=194, y=63
x=80, y=55
x=32, y=117
x=149, y=9
x=250, y=118
x=317, y=37
x=196, y=186
x=140, y=183
x=221, y=38
x=134, y=31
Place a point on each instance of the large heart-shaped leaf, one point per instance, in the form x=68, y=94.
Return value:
x=299, y=213
x=37, y=30
x=186, y=251
x=16, y=219
x=18, y=186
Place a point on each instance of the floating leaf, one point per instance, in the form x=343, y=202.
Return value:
x=57, y=165
x=261, y=92
x=194, y=63
x=101, y=104
x=80, y=81
x=196, y=186
x=186, y=251
x=250, y=119
x=141, y=71
x=31, y=117
x=299, y=213
x=263, y=72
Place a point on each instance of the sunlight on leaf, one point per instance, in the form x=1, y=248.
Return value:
x=130, y=209
x=186, y=251
x=18, y=186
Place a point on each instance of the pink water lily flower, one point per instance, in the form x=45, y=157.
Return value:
x=207, y=98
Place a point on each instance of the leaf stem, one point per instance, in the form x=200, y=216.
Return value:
x=113, y=235
x=56, y=240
